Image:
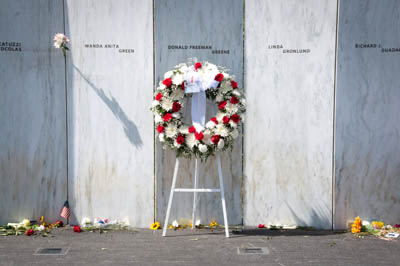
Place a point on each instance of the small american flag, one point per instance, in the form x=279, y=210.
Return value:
x=65, y=210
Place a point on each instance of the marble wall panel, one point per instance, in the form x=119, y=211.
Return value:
x=110, y=77
x=289, y=81
x=33, y=179
x=367, y=155
x=218, y=24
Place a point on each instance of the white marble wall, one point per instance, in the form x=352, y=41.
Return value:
x=220, y=25
x=32, y=112
x=289, y=126
x=111, y=132
x=367, y=152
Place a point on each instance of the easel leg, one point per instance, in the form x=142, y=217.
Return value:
x=196, y=176
x=171, y=196
x=221, y=183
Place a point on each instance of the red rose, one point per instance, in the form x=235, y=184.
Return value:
x=199, y=136
x=160, y=129
x=261, y=226
x=214, y=119
x=215, y=139
x=176, y=107
x=225, y=119
x=219, y=77
x=234, y=84
x=77, y=229
x=235, y=118
x=197, y=66
x=59, y=223
x=158, y=96
x=192, y=129
x=180, y=139
x=183, y=86
x=167, y=117
x=222, y=105
x=167, y=82
x=29, y=232
x=234, y=100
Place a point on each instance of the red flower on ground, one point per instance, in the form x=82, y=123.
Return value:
x=219, y=77
x=176, y=107
x=225, y=119
x=222, y=105
x=59, y=223
x=197, y=66
x=180, y=139
x=234, y=100
x=215, y=139
x=29, y=232
x=261, y=226
x=234, y=84
x=192, y=129
x=199, y=136
x=158, y=96
x=77, y=229
x=235, y=118
x=396, y=226
x=167, y=82
x=183, y=86
x=160, y=129
x=167, y=117
x=214, y=119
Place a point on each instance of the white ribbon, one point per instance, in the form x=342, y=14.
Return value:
x=197, y=85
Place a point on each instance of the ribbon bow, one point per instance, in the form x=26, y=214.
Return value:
x=197, y=85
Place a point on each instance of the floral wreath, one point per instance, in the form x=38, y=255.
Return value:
x=219, y=133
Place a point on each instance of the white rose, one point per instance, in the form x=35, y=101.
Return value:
x=168, y=74
x=203, y=148
x=221, y=144
x=158, y=119
x=177, y=79
x=161, y=86
x=210, y=125
x=161, y=137
x=155, y=103
x=175, y=224
x=41, y=228
x=235, y=133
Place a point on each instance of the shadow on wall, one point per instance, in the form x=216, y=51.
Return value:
x=129, y=126
x=318, y=219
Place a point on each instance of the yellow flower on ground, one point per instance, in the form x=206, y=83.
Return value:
x=26, y=222
x=155, y=226
x=356, y=226
x=377, y=224
x=171, y=226
x=214, y=223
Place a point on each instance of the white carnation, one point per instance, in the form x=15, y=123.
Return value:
x=167, y=104
x=161, y=137
x=210, y=124
x=168, y=74
x=171, y=131
x=191, y=141
x=203, y=148
x=221, y=144
x=220, y=129
x=155, y=103
x=177, y=79
x=161, y=87
x=158, y=119
x=236, y=93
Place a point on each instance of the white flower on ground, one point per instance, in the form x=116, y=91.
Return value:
x=220, y=129
x=60, y=39
x=167, y=104
x=40, y=228
x=197, y=223
x=203, y=148
x=171, y=131
x=168, y=74
x=365, y=223
x=191, y=140
x=221, y=144
x=175, y=224
x=161, y=137
x=86, y=221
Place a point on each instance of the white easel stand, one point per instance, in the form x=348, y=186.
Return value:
x=194, y=190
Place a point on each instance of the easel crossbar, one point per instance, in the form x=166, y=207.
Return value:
x=197, y=190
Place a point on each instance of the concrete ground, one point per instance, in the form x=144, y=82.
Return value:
x=200, y=247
